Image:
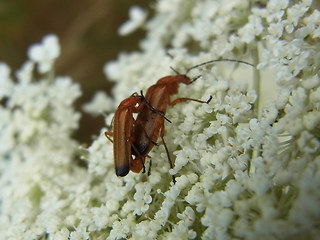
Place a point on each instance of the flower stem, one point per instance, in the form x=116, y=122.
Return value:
x=256, y=83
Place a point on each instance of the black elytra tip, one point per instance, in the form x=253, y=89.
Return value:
x=122, y=171
x=209, y=100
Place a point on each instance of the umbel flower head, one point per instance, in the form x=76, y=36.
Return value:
x=247, y=164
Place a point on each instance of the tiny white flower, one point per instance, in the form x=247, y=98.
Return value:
x=311, y=120
x=137, y=18
x=312, y=82
x=270, y=113
x=276, y=29
x=5, y=81
x=296, y=12
x=308, y=143
x=24, y=75
x=276, y=5
x=252, y=29
x=45, y=54
x=312, y=22
x=100, y=103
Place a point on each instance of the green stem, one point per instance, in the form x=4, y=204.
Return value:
x=256, y=84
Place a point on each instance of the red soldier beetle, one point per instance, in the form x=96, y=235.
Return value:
x=122, y=134
x=149, y=125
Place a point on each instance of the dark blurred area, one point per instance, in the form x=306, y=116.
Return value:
x=88, y=36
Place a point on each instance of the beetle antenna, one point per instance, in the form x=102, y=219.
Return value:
x=194, y=79
x=142, y=96
x=218, y=60
x=175, y=70
x=134, y=94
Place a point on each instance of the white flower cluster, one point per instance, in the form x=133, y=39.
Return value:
x=137, y=18
x=253, y=152
x=247, y=164
x=36, y=150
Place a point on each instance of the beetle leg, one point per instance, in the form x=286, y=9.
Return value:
x=149, y=138
x=158, y=112
x=167, y=151
x=179, y=100
x=108, y=134
x=149, y=170
x=154, y=143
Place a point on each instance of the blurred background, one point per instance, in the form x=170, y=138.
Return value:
x=88, y=34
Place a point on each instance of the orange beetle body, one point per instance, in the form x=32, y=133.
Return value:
x=122, y=135
x=149, y=125
x=138, y=136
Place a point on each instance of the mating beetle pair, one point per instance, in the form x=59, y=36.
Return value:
x=138, y=136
